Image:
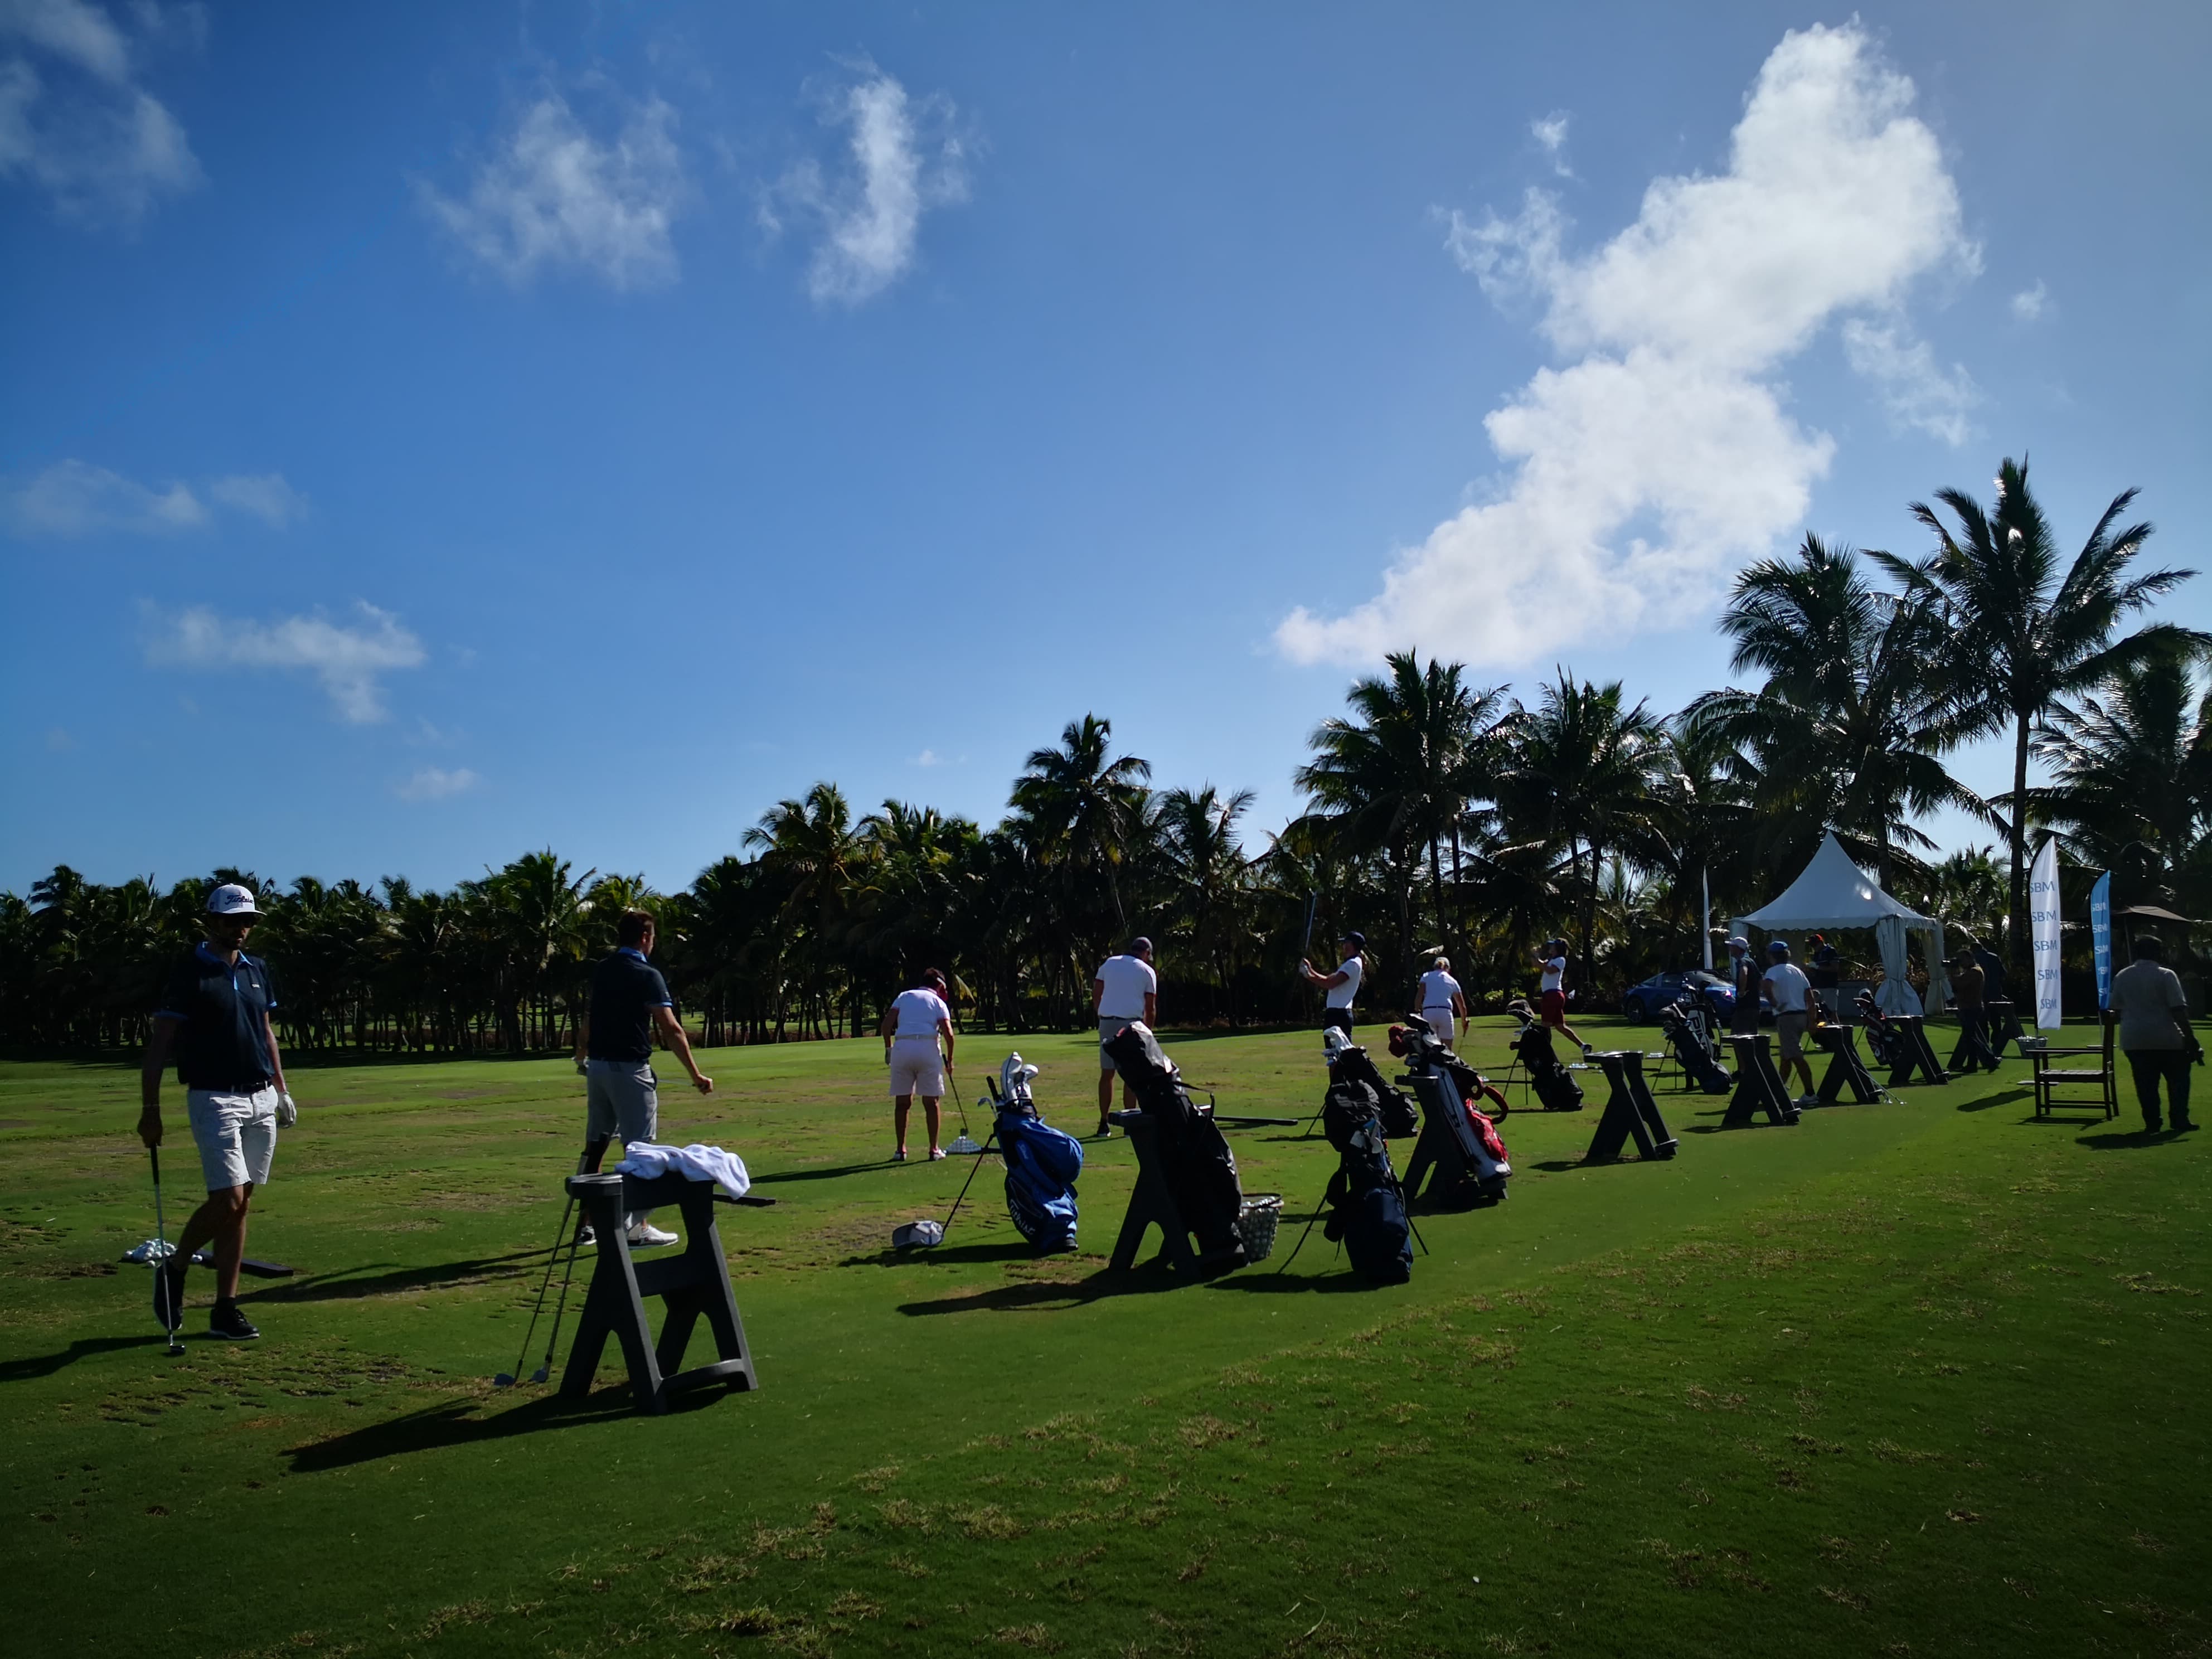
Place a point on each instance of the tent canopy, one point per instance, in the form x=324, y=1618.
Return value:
x=1833, y=892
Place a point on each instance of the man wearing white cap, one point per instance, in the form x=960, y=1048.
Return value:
x=215, y=1018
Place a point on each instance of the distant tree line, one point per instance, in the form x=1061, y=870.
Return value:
x=1440, y=815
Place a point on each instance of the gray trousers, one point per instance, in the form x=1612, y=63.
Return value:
x=621, y=1102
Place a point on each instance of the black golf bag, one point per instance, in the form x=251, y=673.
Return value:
x=1350, y=1063
x=1883, y=1043
x=1555, y=1086
x=1689, y=1036
x=1366, y=1213
x=1200, y=1170
x=1041, y=1162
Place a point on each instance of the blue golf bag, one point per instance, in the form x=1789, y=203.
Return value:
x=1042, y=1164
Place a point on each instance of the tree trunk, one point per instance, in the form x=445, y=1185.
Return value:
x=1437, y=894
x=1589, y=920
x=2017, y=948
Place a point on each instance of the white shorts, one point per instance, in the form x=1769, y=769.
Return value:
x=236, y=1135
x=917, y=1068
x=1440, y=1020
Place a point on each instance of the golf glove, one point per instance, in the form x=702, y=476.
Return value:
x=287, y=1113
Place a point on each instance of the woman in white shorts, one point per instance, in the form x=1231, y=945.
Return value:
x=1442, y=1005
x=912, y=1025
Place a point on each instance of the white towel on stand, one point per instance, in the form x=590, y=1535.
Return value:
x=646, y=1160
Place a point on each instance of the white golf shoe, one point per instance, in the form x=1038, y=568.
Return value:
x=645, y=1235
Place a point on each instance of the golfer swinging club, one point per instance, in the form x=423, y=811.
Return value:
x=614, y=1046
x=215, y=1018
x=1342, y=985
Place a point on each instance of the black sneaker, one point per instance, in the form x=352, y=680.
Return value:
x=169, y=1292
x=229, y=1323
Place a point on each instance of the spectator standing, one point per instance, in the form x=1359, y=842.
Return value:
x=1823, y=967
x=215, y=1018
x=1341, y=989
x=918, y=1017
x=2154, y=1032
x=629, y=1006
x=1968, y=984
x=1743, y=980
x=1441, y=1000
x=1786, y=987
x=1127, y=988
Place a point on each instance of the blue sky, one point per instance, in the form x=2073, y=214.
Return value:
x=431, y=433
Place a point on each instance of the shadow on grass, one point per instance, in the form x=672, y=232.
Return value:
x=1329, y=1282
x=825, y=1175
x=1015, y=1250
x=2127, y=1140
x=351, y=1283
x=434, y=1428
x=1145, y=1280
x=45, y=1364
x=1983, y=1103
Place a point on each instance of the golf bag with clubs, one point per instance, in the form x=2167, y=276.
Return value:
x=1456, y=1088
x=1689, y=1036
x=1041, y=1162
x=1883, y=1042
x=1349, y=1063
x=1200, y=1170
x=1555, y=1086
x=1366, y=1211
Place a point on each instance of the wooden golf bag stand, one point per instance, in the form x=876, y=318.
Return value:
x=696, y=1281
x=1845, y=1068
x=1629, y=1110
x=1759, y=1086
x=1153, y=1204
x=1913, y=1053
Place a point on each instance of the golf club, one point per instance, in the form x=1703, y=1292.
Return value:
x=505, y=1379
x=965, y=1143
x=160, y=1237
x=545, y=1368
x=970, y=1181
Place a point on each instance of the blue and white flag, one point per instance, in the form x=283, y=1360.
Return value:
x=2100, y=936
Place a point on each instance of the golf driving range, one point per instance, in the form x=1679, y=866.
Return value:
x=1923, y=1376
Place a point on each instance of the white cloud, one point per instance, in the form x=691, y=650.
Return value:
x=76, y=498
x=348, y=661
x=1918, y=393
x=266, y=495
x=75, y=122
x=929, y=757
x=2032, y=304
x=552, y=194
x=902, y=159
x=1551, y=131
x=1642, y=471
x=436, y=783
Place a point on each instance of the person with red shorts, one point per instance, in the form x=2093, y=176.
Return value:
x=1551, y=992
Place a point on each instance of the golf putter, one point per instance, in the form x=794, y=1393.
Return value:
x=544, y=1371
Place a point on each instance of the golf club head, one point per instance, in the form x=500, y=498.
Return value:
x=503, y=1381
x=176, y=1346
x=541, y=1374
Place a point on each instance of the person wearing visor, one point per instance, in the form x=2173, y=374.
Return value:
x=214, y=1020
x=1341, y=987
x=1785, y=986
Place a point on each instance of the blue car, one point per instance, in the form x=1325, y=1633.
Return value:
x=1642, y=1002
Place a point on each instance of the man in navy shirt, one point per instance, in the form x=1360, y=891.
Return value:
x=214, y=1018
x=614, y=1045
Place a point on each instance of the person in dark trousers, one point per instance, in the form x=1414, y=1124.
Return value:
x=1968, y=983
x=1743, y=979
x=1824, y=966
x=215, y=1018
x=629, y=1006
x=1999, y=1019
x=2154, y=1033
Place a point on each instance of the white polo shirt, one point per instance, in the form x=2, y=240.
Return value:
x=1340, y=996
x=919, y=1010
x=1128, y=981
x=1439, y=988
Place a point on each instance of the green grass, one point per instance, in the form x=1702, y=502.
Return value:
x=1924, y=1377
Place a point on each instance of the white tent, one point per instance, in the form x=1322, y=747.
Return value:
x=1834, y=893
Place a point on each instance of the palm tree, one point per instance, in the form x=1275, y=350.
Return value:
x=1083, y=806
x=1207, y=868
x=1396, y=778
x=1587, y=773
x=2021, y=635
x=1847, y=731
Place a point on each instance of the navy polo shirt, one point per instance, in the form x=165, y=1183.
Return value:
x=625, y=990
x=224, y=1008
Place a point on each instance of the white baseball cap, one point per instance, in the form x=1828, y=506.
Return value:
x=232, y=900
